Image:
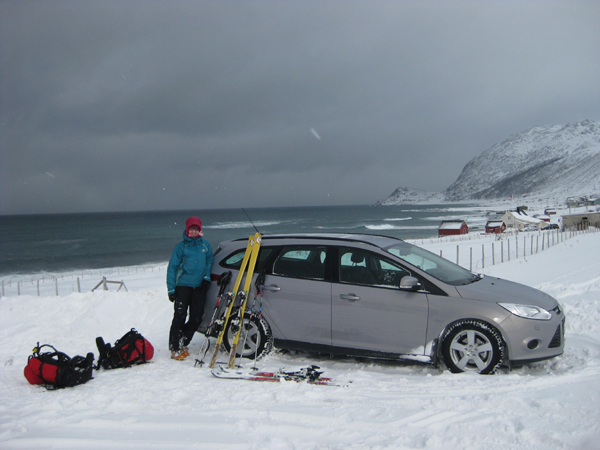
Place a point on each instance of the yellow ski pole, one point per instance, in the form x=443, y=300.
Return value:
x=236, y=286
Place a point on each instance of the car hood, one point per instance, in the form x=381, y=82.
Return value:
x=497, y=290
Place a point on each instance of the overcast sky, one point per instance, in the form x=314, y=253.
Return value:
x=112, y=105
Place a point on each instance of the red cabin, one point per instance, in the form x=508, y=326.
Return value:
x=453, y=227
x=495, y=226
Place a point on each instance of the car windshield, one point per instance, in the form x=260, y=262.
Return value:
x=434, y=265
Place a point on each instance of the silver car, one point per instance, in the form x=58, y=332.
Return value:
x=381, y=297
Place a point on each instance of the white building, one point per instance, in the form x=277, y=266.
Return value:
x=520, y=220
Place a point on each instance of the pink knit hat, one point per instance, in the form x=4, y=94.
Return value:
x=192, y=222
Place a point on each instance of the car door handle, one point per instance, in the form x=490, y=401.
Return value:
x=350, y=297
x=272, y=288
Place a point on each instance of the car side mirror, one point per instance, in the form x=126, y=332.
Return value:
x=409, y=283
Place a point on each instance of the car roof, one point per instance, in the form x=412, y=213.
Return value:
x=372, y=239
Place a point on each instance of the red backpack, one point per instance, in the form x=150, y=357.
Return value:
x=131, y=349
x=56, y=369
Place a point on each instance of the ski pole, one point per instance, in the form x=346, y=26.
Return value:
x=223, y=281
x=258, y=286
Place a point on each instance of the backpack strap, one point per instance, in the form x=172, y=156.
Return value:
x=129, y=341
x=103, y=350
x=77, y=371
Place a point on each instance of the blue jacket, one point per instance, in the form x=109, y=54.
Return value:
x=190, y=263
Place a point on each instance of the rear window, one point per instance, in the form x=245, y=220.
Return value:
x=306, y=262
x=234, y=261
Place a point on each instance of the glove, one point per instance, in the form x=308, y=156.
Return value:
x=204, y=286
x=172, y=296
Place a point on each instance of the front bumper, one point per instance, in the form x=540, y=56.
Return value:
x=534, y=340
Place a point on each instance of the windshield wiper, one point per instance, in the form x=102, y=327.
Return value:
x=473, y=279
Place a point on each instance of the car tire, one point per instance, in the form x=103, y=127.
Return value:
x=472, y=346
x=256, y=343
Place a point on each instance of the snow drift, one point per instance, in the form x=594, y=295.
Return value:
x=386, y=405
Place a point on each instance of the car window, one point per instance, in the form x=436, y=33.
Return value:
x=234, y=261
x=307, y=262
x=361, y=267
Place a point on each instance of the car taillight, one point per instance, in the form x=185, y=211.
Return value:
x=214, y=277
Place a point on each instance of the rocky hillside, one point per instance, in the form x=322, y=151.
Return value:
x=546, y=162
x=541, y=161
x=405, y=196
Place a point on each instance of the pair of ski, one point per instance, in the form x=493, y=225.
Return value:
x=309, y=375
x=239, y=296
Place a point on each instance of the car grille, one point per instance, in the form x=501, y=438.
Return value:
x=558, y=337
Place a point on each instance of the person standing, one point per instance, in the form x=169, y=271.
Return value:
x=188, y=280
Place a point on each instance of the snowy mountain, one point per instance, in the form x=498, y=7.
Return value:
x=556, y=161
x=541, y=163
x=405, y=195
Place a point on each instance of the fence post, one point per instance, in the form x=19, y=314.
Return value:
x=471, y=259
x=38, y=287
x=78, y=285
x=122, y=285
x=18, y=288
x=493, y=255
x=531, y=252
x=543, y=242
x=56, y=285
x=482, y=256
x=508, y=244
x=457, y=253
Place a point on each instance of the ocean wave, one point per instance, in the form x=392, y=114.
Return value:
x=397, y=219
x=59, y=241
x=236, y=225
x=395, y=227
x=123, y=243
x=466, y=218
x=339, y=227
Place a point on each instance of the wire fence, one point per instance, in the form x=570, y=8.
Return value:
x=509, y=246
x=505, y=247
x=80, y=281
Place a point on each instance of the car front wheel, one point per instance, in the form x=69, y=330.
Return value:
x=255, y=340
x=472, y=346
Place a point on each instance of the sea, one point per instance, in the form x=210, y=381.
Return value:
x=57, y=243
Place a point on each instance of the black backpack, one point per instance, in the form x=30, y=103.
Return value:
x=56, y=370
x=131, y=349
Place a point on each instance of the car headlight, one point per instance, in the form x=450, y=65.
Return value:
x=527, y=311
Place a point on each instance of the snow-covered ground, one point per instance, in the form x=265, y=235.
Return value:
x=384, y=405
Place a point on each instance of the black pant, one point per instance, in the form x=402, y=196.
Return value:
x=181, y=332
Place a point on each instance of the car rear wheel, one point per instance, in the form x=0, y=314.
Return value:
x=472, y=346
x=255, y=341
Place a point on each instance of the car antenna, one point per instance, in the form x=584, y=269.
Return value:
x=251, y=221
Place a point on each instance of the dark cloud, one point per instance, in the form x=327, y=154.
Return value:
x=132, y=105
